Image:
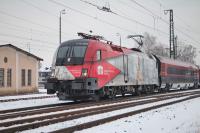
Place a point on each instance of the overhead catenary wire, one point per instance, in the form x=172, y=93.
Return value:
x=22, y=27
x=34, y=48
x=133, y=7
x=180, y=30
x=29, y=30
x=119, y=27
x=90, y=16
x=19, y=44
x=51, y=14
x=26, y=38
x=177, y=17
x=27, y=21
x=142, y=24
x=130, y=19
x=61, y=4
x=166, y=22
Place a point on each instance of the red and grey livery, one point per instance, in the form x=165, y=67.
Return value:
x=89, y=68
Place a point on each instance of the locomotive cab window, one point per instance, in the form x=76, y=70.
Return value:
x=71, y=53
x=98, y=55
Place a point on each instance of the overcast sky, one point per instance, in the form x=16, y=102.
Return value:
x=35, y=23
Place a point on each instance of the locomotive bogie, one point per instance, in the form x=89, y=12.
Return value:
x=177, y=86
x=77, y=89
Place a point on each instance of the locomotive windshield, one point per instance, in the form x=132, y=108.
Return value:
x=71, y=53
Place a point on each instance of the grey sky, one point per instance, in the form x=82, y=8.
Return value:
x=35, y=23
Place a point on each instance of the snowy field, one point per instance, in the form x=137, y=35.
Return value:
x=182, y=117
x=178, y=118
x=35, y=102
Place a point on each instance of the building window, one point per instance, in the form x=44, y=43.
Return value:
x=9, y=77
x=5, y=59
x=29, y=77
x=23, y=76
x=1, y=77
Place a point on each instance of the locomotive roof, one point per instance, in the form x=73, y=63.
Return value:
x=176, y=62
x=75, y=42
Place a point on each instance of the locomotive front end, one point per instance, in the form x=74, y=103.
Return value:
x=70, y=78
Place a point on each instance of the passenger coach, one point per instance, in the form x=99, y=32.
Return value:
x=177, y=74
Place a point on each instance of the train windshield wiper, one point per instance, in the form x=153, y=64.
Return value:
x=65, y=57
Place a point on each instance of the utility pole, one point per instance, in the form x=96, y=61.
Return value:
x=176, y=46
x=171, y=34
x=61, y=12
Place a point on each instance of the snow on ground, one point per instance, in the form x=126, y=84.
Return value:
x=178, y=118
x=181, y=118
x=108, y=128
x=76, y=109
x=42, y=92
x=28, y=103
x=36, y=102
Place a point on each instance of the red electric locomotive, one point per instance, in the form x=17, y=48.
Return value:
x=89, y=69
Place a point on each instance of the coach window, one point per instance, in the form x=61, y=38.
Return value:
x=98, y=55
x=1, y=77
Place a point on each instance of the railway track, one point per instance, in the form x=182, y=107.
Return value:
x=60, y=106
x=33, y=120
x=11, y=111
x=21, y=112
x=113, y=118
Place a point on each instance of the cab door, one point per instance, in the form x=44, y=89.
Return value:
x=125, y=68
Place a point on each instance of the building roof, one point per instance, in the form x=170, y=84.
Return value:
x=22, y=51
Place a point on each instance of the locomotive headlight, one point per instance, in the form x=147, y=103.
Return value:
x=52, y=72
x=84, y=72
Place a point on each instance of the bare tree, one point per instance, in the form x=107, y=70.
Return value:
x=185, y=53
x=149, y=42
x=152, y=46
x=160, y=50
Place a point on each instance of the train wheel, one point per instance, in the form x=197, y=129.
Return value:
x=112, y=93
x=195, y=85
x=122, y=91
x=96, y=98
x=138, y=91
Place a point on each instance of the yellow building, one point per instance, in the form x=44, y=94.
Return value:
x=18, y=70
